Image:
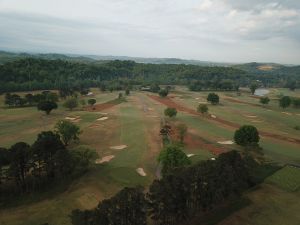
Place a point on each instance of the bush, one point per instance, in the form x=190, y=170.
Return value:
x=67, y=130
x=213, y=98
x=92, y=101
x=163, y=93
x=47, y=106
x=71, y=103
x=246, y=135
x=172, y=157
x=202, y=108
x=285, y=102
x=170, y=112
x=264, y=100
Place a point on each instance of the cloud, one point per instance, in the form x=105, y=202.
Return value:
x=218, y=30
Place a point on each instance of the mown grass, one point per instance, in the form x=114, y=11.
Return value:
x=288, y=178
x=269, y=205
x=100, y=182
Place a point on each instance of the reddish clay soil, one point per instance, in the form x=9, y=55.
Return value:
x=168, y=102
x=197, y=142
x=194, y=141
x=100, y=107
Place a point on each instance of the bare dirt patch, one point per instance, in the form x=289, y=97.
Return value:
x=265, y=67
x=190, y=155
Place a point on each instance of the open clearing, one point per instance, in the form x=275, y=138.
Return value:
x=287, y=178
x=126, y=137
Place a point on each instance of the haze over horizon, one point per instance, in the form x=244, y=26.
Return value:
x=207, y=30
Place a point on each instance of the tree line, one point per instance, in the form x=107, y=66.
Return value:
x=42, y=74
x=28, y=168
x=181, y=194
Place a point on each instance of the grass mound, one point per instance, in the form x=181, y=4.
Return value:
x=288, y=178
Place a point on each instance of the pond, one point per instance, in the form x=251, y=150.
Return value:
x=261, y=92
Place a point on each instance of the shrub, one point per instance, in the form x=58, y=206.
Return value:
x=246, y=135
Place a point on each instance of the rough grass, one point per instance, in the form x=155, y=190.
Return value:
x=269, y=205
x=288, y=178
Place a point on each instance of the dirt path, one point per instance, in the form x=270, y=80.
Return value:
x=170, y=103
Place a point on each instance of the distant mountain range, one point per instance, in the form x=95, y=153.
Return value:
x=257, y=68
x=10, y=56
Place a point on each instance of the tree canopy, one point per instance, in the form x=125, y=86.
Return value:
x=172, y=157
x=170, y=112
x=246, y=135
x=213, y=98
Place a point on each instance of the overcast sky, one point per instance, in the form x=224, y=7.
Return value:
x=210, y=30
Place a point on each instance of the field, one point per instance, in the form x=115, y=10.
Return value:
x=287, y=178
x=135, y=124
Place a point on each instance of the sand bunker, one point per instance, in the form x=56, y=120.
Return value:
x=190, y=155
x=213, y=158
x=141, y=172
x=118, y=147
x=251, y=116
x=105, y=159
x=72, y=118
x=153, y=116
x=286, y=113
x=103, y=118
x=197, y=98
x=213, y=116
x=226, y=142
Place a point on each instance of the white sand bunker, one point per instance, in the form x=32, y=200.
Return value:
x=103, y=118
x=251, y=116
x=190, y=155
x=226, y=142
x=118, y=147
x=141, y=172
x=213, y=116
x=105, y=159
x=286, y=113
x=72, y=118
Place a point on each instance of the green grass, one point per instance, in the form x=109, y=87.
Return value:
x=288, y=178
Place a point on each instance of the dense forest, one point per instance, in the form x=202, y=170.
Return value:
x=37, y=73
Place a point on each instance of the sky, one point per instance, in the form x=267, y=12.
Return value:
x=208, y=30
